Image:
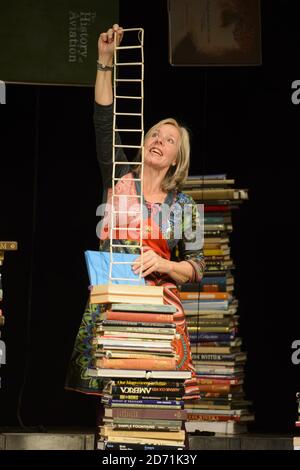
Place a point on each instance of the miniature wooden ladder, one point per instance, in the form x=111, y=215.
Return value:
x=139, y=64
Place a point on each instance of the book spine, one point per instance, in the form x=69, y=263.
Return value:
x=149, y=414
x=148, y=390
x=206, y=336
x=212, y=417
x=214, y=388
x=204, y=295
x=145, y=427
x=121, y=446
x=140, y=317
x=202, y=194
x=140, y=364
x=145, y=401
x=147, y=383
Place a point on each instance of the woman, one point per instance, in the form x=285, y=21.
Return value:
x=166, y=161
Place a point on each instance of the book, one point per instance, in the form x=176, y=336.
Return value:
x=198, y=182
x=107, y=432
x=120, y=353
x=112, y=327
x=59, y=40
x=216, y=193
x=142, y=345
x=144, y=374
x=146, y=308
x=218, y=427
x=137, y=317
x=142, y=413
x=150, y=403
x=140, y=421
x=156, y=363
x=142, y=383
x=204, y=295
x=105, y=293
x=146, y=441
x=132, y=446
x=127, y=333
x=145, y=427
x=147, y=390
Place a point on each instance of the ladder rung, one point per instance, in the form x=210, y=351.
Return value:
x=128, y=114
x=128, y=147
x=128, y=80
x=126, y=212
x=127, y=195
x=122, y=262
x=128, y=163
x=128, y=130
x=137, y=229
x=128, y=47
x=125, y=246
x=133, y=179
x=128, y=97
x=129, y=63
x=132, y=29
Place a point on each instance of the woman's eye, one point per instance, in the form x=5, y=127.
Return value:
x=171, y=141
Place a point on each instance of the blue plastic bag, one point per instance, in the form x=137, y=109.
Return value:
x=98, y=268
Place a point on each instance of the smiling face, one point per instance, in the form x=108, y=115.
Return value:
x=161, y=147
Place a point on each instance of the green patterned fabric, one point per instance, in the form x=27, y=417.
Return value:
x=77, y=378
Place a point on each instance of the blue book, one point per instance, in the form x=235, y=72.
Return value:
x=98, y=262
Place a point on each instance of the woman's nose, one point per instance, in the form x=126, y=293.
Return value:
x=159, y=139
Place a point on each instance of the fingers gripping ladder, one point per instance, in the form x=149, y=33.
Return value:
x=138, y=34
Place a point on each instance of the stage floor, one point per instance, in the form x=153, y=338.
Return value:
x=81, y=439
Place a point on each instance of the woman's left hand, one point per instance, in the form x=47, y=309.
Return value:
x=151, y=262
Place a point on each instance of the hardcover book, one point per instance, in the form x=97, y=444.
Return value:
x=55, y=42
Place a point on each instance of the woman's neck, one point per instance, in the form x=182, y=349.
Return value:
x=152, y=181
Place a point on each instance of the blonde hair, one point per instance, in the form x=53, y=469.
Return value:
x=176, y=174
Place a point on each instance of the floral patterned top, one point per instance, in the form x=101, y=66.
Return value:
x=177, y=220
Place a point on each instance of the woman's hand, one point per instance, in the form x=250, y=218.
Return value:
x=106, y=44
x=151, y=262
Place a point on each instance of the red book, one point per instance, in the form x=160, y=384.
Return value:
x=139, y=317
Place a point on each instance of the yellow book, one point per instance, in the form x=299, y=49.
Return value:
x=125, y=293
x=173, y=436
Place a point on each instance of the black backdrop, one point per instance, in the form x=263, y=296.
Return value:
x=243, y=123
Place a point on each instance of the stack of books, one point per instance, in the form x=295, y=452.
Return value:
x=135, y=348
x=216, y=400
x=296, y=439
x=4, y=246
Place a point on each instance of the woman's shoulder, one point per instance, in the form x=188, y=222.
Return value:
x=182, y=198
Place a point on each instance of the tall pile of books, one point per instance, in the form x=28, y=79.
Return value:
x=135, y=349
x=216, y=398
x=4, y=246
x=296, y=439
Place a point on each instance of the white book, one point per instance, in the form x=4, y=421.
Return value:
x=219, y=427
x=145, y=374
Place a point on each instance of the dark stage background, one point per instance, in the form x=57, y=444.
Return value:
x=243, y=123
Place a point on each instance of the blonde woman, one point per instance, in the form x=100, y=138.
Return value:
x=171, y=219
